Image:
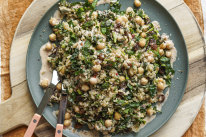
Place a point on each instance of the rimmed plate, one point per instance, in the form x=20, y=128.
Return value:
x=155, y=12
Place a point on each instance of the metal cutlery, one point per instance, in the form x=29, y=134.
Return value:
x=40, y=109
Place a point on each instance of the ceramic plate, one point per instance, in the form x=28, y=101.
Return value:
x=155, y=12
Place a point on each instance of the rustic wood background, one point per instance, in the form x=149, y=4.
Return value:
x=10, y=14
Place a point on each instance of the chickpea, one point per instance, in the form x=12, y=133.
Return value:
x=59, y=86
x=119, y=20
x=108, y=123
x=113, y=72
x=122, y=78
x=121, y=32
x=161, y=52
x=75, y=22
x=117, y=116
x=142, y=42
x=131, y=72
x=150, y=67
x=94, y=15
x=101, y=46
x=150, y=111
x=97, y=127
x=93, y=81
x=139, y=20
x=169, y=44
x=124, y=19
x=44, y=83
x=145, y=28
x=163, y=46
x=150, y=59
x=52, y=37
x=67, y=123
x=137, y=3
x=129, y=10
x=160, y=86
x=168, y=54
x=160, y=80
x=168, y=47
x=53, y=22
x=142, y=23
x=140, y=70
x=85, y=88
x=67, y=116
x=90, y=1
x=126, y=65
x=65, y=25
x=140, y=97
x=96, y=68
x=48, y=46
x=143, y=81
x=143, y=34
x=76, y=109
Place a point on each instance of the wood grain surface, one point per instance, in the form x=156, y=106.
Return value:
x=10, y=14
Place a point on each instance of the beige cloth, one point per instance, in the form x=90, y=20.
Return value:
x=10, y=14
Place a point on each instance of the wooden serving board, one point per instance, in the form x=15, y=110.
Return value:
x=20, y=107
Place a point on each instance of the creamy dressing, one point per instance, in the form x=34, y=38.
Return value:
x=46, y=71
x=159, y=107
x=174, y=55
x=57, y=15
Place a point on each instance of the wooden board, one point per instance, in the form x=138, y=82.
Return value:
x=186, y=112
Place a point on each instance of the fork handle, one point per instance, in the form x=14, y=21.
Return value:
x=59, y=130
x=32, y=125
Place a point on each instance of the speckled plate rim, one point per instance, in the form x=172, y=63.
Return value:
x=133, y=134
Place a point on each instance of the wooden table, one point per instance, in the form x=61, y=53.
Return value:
x=11, y=12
